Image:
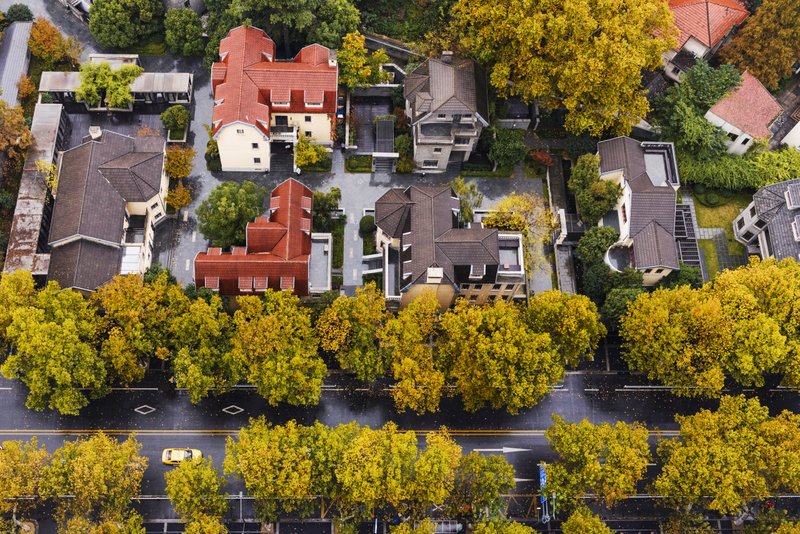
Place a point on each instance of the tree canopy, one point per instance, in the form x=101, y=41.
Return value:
x=769, y=43
x=594, y=197
x=571, y=321
x=583, y=521
x=183, y=32
x=585, y=56
x=195, y=490
x=103, y=86
x=725, y=459
x=357, y=66
x=605, y=460
x=222, y=218
x=101, y=473
x=47, y=44
x=123, y=23
x=347, y=328
x=15, y=135
x=409, y=339
x=495, y=359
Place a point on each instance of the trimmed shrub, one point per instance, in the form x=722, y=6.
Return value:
x=19, y=13
x=367, y=225
x=175, y=118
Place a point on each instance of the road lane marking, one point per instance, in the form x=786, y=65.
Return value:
x=187, y=264
x=194, y=237
x=233, y=432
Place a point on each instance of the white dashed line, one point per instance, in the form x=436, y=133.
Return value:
x=194, y=237
x=188, y=264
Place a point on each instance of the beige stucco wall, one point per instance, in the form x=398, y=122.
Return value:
x=320, y=125
x=236, y=150
x=444, y=293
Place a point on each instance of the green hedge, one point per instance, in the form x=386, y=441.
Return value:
x=323, y=165
x=737, y=173
x=337, y=231
x=501, y=172
x=360, y=164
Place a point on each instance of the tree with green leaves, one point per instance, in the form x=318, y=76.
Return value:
x=335, y=19
x=222, y=218
x=594, y=243
x=769, y=43
x=19, y=13
x=103, y=86
x=275, y=343
x=507, y=147
x=583, y=521
x=348, y=327
x=17, y=290
x=123, y=23
x=495, y=359
x=195, y=490
x=275, y=465
x=101, y=473
x=183, y=32
x=201, y=357
x=529, y=214
x=21, y=467
x=176, y=117
x=604, y=460
x=327, y=446
x=358, y=67
x=408, y=339
x=593, y=196
x=469, y=197
x=61, y=376
x=323, y=206
x=136, y=322
x=616, y=304
x=480, y=482
x=571, y=321
x=724, y=460
x=561, y=52
x=679, y=337
x=15, y=135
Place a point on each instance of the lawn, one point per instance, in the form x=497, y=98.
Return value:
x=358, y=164
x=710, y=253
x=154, y=46
x=722, y=215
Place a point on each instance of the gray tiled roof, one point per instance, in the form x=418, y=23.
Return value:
x=14, y=59
x=424, y=218
x=96, y=180
x=654, y=246
x=458, y=86
x=652, y=217
x=771, y=207
x=84, y=264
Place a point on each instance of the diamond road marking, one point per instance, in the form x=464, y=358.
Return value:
x=144, y=409
x=232, y=409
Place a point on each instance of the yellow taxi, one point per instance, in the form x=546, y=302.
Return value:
x=176, y=456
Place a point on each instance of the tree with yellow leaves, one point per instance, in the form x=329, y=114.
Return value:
x=408, y=340
x=585, y=56
x=348, y=329
x=605, y=460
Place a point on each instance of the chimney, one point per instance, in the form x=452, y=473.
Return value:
x=95, y=132
x=447, y=56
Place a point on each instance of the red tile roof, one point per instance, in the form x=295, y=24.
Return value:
x=247, y=73
x=278, y=248
x=751, y=108
x=699, y=18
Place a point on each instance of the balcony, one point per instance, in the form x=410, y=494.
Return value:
x=618, y=257
x=283, y=132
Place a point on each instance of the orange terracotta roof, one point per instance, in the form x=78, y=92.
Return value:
x=278, y=247
x=699, y=18
x=751, y=108
x=247, y=73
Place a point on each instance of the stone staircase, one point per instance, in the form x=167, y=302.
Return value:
x=383, y=165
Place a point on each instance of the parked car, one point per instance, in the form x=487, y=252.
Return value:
x=175, y=456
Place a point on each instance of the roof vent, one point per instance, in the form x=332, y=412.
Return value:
x=95, y=132
x=447, y=56
x=435, y=275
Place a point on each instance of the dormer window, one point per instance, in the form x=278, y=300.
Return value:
x=792, y=196
x=313, y=98
x=796, y=228
x=280, y=104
